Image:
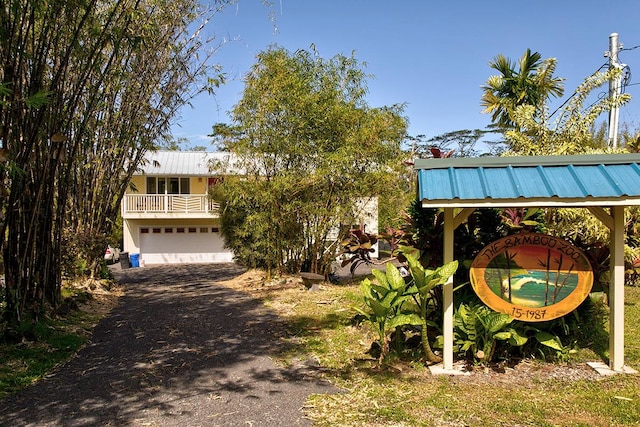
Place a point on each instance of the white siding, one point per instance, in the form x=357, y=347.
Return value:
x=184, y=247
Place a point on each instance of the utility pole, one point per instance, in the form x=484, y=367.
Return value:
x=615, y=88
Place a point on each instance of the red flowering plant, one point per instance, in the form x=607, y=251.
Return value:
x=393, y=236
x=358, y=245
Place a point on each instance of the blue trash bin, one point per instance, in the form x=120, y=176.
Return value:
x=135, y=260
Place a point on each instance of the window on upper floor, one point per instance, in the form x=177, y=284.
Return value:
x=168, y=185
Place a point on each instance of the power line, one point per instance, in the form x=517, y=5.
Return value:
x=575, y=92
x=625, y=85
x=630, y=48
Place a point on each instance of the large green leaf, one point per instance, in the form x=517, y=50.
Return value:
x=424, y=291
x=494, y=322
x=403, y=319
x=401, y=299
x=439, y=342
x=529, y=213
x=395, y=279
x=380, y=277
x=389, y=299
x=466, y=345
x=415, y=319
x=365, y=288
x=447, y=270
x=380, y=291
x=549, y=340
x=516, y=339
x=364, y=313
x=379, y=310
x=416, y=269
x=503, y=336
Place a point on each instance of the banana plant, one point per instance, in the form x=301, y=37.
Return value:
x=422, y=283
x=385, y=298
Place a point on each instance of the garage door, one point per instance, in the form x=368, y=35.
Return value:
x=171, y=245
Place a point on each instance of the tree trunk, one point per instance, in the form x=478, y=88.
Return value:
x=85, y=91
x=424, y=337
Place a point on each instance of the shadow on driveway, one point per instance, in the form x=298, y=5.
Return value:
x=178, y=350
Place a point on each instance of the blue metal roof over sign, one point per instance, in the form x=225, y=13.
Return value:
x=612, y=179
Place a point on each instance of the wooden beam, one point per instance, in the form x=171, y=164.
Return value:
x=616, y=291
x=602, y=215
x=462, y=216
x=447, y=292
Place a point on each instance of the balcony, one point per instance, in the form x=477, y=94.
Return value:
x=168, y=205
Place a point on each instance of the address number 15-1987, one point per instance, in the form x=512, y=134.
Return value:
x=528, y=313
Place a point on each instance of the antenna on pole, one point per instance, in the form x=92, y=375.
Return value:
x=615, y=88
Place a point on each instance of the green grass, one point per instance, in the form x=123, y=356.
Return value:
x=406, y=394
x=24, y=363
x=53, y=340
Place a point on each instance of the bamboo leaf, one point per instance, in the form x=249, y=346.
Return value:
x=38, y=99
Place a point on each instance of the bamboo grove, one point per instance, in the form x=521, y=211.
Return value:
x=86, y=88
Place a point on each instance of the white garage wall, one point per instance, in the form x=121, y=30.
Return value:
x=186, y=247
x=161, y=243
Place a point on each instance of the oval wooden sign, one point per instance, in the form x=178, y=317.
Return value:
x=532, y=277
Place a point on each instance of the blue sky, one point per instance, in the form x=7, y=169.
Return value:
x=431, y=55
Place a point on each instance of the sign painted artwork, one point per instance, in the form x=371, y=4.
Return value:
x=532, y=277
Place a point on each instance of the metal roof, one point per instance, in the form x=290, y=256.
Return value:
x=181, y=163
x=586, y=180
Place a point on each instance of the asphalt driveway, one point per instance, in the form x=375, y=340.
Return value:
x=178, y=350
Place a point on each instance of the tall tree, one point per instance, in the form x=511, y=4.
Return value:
x=572, y=132
x=309, y=146
x=458, y=143
x=529, y=81
x=86, y=86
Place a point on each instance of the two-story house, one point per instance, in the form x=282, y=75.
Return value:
x=168, y=217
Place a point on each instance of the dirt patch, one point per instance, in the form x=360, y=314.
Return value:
x=97, y=297
x=255, y=283
x=102, y=302
x=527, y=371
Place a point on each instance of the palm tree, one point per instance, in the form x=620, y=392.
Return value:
x=531, y=83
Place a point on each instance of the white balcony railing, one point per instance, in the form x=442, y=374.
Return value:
x=168, y=203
